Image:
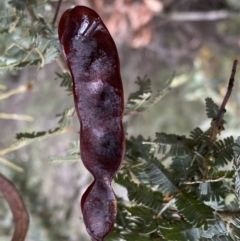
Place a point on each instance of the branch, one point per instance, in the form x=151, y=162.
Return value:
x=10, y=164
x=216, y=125
x=227, y=216
x=200, y=16
x=18, y=90
x=57, y=11
x=13, y=116
x=208, y=180
x=229, y=91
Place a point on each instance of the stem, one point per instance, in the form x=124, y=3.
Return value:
x=229, y=91
x=200, y=16
x=13, y=116
x=56, y=13
x=216, y=126
x=62, y=64
x=10, y=164
x=18, y=90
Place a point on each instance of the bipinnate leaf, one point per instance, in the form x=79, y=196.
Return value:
x=199, y=136
x=66, y=80
x=235, y=228
x=141, y=194
x=211, y=108
x=154, y=173
x=179, y=145
x=143, y=98
x=223, y=151
x=180, y=232
x=193, y=210
x=216, y=232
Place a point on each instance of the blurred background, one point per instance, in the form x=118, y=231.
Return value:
x=194, y=40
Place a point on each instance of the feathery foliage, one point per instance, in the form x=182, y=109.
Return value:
x=211, y=108
x=141, y=194
x=143, y=98
x=190, y=191
x=66, y=80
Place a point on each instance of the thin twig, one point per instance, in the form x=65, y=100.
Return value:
x=200, y=16
x=216, y=125
x=18, y=90
x=25, y=142
x=41, y=56
x=62, y=64
x=32, y=13
x=14, y=116
x=11, y=164
x=56, y=13
x=208, y=180
x=229, y=91
x=166, y=206
x=228, y=215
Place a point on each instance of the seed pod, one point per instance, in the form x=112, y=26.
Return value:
x=93, y=61
x=20, y=214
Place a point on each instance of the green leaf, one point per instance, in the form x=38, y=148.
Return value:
x=28, y=52
x=183, y=168
x=235, y=228
x=73, y=154
x=179, y=145
x=216, y=232
x=198, y=136
x=154, y=173
x=31, y=135
x=51, y=54
x=223, y=151
x=141, y=219
x=193, y=210
x=180, y=232
x=135, y=149
x=137, y=99
x=21, y=4
x=134, y=236
x=211, y=108
x=7, y=18
x=27, y=138
x=236, y=147
x=143, y=98
x=66, y=117
x=138, y=221
x=213, y=191
x=236, y=166
x=66, y=80
x=64, y=159
x=141, y=194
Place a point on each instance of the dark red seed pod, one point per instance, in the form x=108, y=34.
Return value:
x=16, y=204
x=92, y=58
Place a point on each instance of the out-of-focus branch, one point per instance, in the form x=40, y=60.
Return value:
x=200, y=16
x=14, y=116
x=18, y=90
x=10, y=164
x=56, y=13
x=229, y=91
x=216, y=125
x=62, y=63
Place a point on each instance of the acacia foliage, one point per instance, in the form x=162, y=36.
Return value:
x=184, y=200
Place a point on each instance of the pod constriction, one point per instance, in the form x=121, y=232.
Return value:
x=93, y=61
